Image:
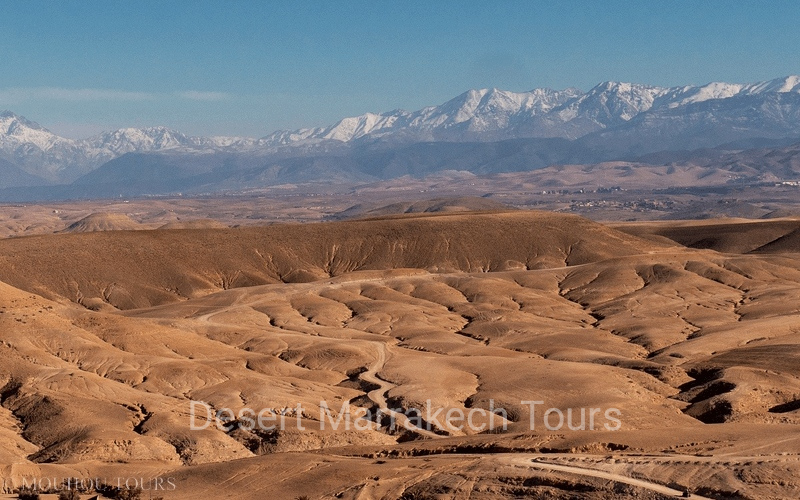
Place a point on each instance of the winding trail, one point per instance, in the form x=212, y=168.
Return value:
x=378, y=395
x=529, y=461
x=535, y=462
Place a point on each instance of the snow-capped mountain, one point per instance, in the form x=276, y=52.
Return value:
x=615, y=118
x=484, y=114
x=492, y=114
x=36, y=150
x=680, y=96
x=16, y=131
x=57, y=159
x=129, y=140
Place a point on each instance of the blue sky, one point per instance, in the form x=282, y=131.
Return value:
x=249, y=68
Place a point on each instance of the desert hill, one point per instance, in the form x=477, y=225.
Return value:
x=103, y=222
x=459, y=204
x=789, y=242
x=726, y=235
x=194, y=224
x=134, y=269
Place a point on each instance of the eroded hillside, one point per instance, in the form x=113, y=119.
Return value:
x=697, y=351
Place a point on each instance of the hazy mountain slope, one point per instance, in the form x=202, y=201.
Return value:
x=702, y=124
x=154, y=173
x=13, y=176
x=172, y=172
x=160, y=173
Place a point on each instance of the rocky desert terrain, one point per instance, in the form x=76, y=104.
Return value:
x=625, y=360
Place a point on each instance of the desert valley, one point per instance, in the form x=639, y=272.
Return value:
x=617, y=360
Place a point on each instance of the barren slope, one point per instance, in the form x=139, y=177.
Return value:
x=697, y=350
x=103, y=222
x=729, y=236
x=135, y=269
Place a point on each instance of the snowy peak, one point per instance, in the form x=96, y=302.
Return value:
x=688, y=95
x=540, y=101
x=681, y=96
x=485, y=102
x=128, y=140
x=474, y=111
x=355, y=127
x=779, y=86
x=612, y=102
x=16, y=131
x=7, y=118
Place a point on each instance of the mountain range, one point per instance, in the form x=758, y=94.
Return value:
x=482, y=131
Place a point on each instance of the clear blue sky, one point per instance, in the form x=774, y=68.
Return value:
x=249, y=68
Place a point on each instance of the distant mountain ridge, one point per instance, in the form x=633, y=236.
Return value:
x=611, y=121
x=492, y=114
x=56, y=159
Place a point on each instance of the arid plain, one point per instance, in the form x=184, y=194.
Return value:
x=671, y=350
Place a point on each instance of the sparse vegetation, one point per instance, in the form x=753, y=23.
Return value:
x=27, y=494
x=129, y=494
x=124, y=493
x=70, y=494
